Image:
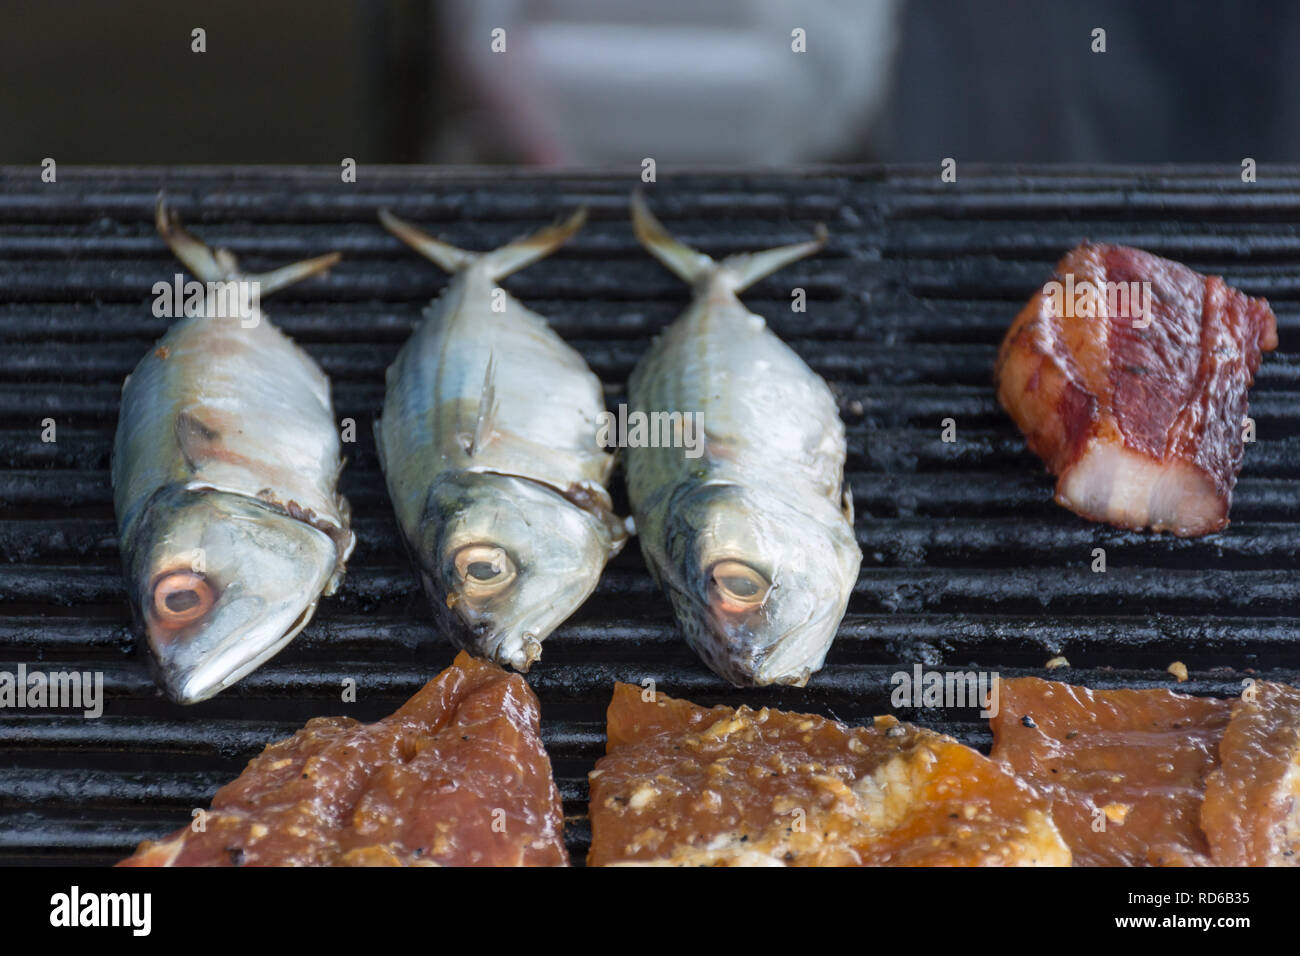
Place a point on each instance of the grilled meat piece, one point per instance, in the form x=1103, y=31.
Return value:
x=1138, y=411
x=1251, y=814
x=685, y=785
x=456, y=777
x=1125, y=769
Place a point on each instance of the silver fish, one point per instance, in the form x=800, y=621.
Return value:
x=488, y=441
x=753, y=540
x=225, y=469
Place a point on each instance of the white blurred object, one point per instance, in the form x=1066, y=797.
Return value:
x=604, y=82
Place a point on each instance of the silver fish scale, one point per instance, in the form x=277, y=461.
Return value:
x=254, y=411
x=762, y=505
x=535, y=419
x=488, y=442
x=753, y=393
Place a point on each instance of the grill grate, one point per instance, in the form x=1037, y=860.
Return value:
x=966, y=560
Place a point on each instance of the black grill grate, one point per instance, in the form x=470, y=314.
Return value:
x=967, y=561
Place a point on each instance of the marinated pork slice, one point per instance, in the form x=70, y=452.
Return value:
x=1136, y=402
x=1125, y=769
x=1251, y=814
x=456, y=777
x=683, y=785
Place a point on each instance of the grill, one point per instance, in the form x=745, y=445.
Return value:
x=967, y=562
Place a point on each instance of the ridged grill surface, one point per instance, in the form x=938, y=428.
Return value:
x=967, y=562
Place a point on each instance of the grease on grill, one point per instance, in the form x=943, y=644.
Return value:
x=968, y=561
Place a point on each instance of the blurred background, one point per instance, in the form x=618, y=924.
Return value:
x=606, y=83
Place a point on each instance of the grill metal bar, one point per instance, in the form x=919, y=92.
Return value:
x=967, y=562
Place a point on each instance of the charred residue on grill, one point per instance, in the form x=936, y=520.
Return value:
x=905, y=310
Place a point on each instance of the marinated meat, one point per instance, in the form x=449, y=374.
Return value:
x=683, y=785
x=457, y=776
x=1251, y=814
x=1136, y=403
x=1125, y=769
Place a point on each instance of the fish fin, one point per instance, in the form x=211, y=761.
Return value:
x=693, y=267
x=500, y=262
x=206, y=264
x=195, y=440
x=594, y=499
x=345, y=542
x=618, y=533
x=521, y=252
x=277, y=279
x=217, y=265
x=748, y=267
x=444, y=255
x=680, y=259
x=487, y=398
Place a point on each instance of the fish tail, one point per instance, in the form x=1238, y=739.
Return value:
x=749, y=267
x=500, y=262
x=442, y=254
x=683, y=261
x=219, y=265
x=743, y=269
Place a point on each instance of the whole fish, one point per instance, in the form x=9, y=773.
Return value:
x=752, y=536
x=488, y=442
x=225, y=469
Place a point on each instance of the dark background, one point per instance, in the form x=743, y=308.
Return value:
x=1006, y=80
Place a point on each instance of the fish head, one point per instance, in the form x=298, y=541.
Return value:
x=504, y=561
x=220, y=583
x=758, y=585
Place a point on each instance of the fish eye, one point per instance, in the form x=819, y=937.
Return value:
x=181, y=597
x=483, y=570
x=738, y=587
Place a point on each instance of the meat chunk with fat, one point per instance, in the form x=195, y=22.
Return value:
x=1125, y=770
x=684, y=785
x=457, y=776
x=1139, y=412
